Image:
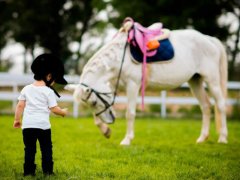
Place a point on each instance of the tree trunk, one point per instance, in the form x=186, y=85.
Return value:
x=0, y=60
x=25, y=66
x=32, y=53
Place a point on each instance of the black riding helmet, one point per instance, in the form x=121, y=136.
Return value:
x=46, y=64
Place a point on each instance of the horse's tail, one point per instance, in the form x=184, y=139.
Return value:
x=223, y=70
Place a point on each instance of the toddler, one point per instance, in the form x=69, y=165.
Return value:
x=36, y=101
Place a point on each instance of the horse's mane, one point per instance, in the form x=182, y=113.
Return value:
x=109, y=49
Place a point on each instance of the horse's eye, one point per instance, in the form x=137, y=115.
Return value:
x=88, y=90
x=94, y=103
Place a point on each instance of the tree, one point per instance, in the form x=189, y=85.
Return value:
x=5, y=33
x=53, y=24
x=37, y=23
x=201, y=15
x=78, y=19
x=233, y=7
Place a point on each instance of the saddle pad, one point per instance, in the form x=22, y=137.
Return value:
x=165, y=52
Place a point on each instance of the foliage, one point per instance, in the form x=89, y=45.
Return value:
x=4, y=29
x=54, y=25
x=161, y=150
x=5, y=65
x=50, y=24
x=202, y=15
x=4, y=19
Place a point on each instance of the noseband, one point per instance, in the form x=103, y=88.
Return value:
x=100, y=95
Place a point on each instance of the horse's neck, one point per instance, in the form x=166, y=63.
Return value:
x=103, y=68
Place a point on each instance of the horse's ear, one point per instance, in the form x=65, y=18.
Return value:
x=127, y=25
x=81, y=93
x=70, y=87
x=85, y=91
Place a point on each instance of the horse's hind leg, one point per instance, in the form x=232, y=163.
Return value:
x=197, y=88
x=220, y=110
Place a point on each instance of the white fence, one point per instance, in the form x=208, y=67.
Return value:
x=14, y=81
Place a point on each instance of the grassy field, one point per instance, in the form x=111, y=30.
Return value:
x=162, y=149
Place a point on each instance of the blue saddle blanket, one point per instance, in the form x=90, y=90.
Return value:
x=165, y=52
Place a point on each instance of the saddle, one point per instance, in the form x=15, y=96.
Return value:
x=147, y=42
x=164, y=53
x=145, y=38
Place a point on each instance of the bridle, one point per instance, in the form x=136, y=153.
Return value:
x=101, y=95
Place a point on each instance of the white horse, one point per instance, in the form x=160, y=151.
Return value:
x=198, y=59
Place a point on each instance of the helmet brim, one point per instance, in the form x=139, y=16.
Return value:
x=61, y=80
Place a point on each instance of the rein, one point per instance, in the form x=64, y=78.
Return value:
x=100, y=94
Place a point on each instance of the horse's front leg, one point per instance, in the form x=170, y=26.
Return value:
x=132, y=94
x=105, y=130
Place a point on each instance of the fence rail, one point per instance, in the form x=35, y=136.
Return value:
x=14, y=81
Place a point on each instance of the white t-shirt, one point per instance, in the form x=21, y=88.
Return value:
x=38, y=101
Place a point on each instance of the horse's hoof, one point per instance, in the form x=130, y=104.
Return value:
x=108, y=133
x=125, y=142
x=201, y=139
x=223, y=140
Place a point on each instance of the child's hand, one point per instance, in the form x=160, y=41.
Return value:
x=17, y=124
x=59, y=111
x=65, y=111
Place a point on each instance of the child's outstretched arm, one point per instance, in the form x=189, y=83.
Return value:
x=18, y=114
x=59, y=111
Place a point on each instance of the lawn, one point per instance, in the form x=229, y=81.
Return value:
x=162, y=149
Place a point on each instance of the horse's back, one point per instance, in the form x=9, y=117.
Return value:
x=205, y=51
x=196, y=46
x=194, y=40
x=194, y=53
x=187, y=33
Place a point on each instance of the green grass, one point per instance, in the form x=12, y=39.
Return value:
x=162, y=149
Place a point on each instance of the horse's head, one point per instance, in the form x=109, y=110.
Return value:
x=99, y=102
x=102, y=113
x=100, y=76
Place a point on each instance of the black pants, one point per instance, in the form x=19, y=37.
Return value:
x=30, y=137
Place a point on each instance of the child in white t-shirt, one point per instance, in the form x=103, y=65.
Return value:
x=36, y=101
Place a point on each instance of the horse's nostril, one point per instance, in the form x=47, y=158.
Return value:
x=83, y=100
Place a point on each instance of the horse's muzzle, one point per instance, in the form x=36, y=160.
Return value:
x=107, y=117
